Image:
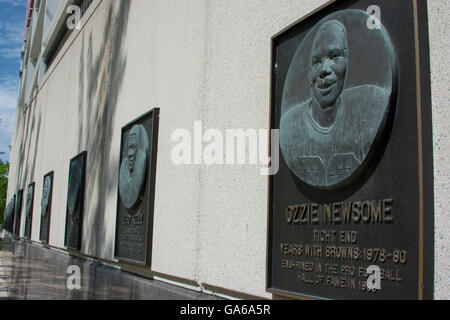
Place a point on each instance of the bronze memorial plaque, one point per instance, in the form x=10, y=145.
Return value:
x=351, y=208
x=29, y=210
x=17, y=213
x=8, y=219
x=75, y=202
x=46, y=207
x=136, y=189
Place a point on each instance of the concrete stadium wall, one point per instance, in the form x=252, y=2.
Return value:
x=205, y=60
x=439, y=23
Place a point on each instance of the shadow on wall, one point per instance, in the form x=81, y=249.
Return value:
x=26, y=164
x=100, y=79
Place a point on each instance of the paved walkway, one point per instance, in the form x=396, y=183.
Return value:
x=7, y=283
x=5, y=274
x=18, y=276
x=31, y=272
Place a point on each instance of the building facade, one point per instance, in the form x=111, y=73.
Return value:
x=204, y=65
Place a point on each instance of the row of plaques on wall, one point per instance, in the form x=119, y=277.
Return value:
x=134, y=221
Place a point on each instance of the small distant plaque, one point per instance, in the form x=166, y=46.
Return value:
x=9, y=217
x=75, y=201
x=136, y=189
x=29, y=210
x=6, y=218
x=351, y=208
x=46, y=207
x=18, y=213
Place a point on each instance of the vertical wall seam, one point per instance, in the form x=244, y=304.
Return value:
x=201, y=114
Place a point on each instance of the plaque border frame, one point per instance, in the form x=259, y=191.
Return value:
x=424, y=153
x=14, y=214
x=25, y=236
x=151, y=181
x=51, y=174
x=83, y=156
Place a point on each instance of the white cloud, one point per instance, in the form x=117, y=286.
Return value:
x=10, y=53
x=15, y=3
x=8, y=106
x=11, y=40
x=11, y=34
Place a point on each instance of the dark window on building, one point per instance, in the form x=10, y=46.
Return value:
x=64, y=33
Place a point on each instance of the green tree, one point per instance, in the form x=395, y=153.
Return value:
x=4, y=169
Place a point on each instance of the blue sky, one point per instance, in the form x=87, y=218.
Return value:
x=12, y=19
